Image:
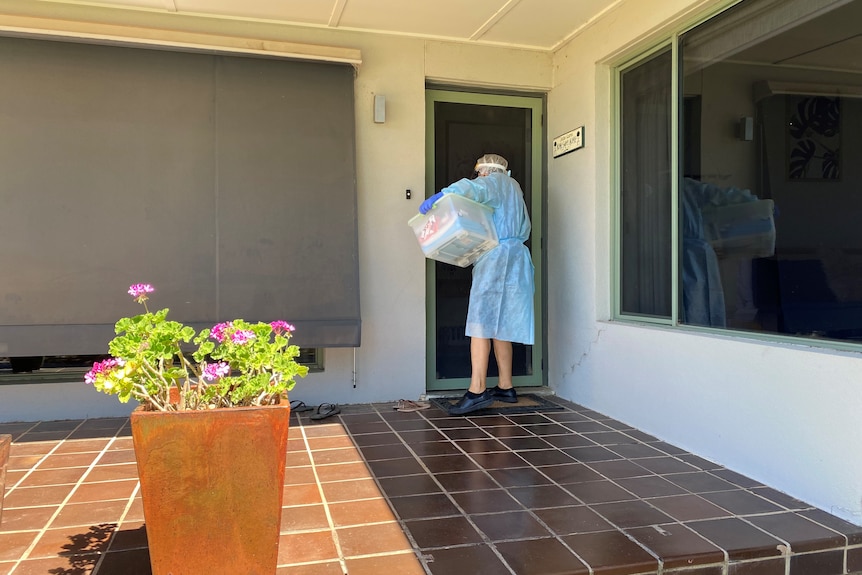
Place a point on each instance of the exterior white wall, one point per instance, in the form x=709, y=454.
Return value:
x=390, y=364
x=785, y=415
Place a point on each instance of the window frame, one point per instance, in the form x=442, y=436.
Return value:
x=626, y=61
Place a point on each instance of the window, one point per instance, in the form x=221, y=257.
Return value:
x=64, y=368
x=766, y=190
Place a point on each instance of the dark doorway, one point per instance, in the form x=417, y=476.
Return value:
x=463, y=133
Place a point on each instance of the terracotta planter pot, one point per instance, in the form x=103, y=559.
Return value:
x=5, y=447
x=211, y=483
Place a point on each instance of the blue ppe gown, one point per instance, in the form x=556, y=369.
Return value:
x=702, y=290
x=501, y=295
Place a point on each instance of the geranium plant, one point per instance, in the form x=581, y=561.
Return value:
x=234, y=364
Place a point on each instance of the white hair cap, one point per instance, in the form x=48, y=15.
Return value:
x=493, y=162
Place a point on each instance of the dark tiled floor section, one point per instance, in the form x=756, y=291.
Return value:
x=375, y=491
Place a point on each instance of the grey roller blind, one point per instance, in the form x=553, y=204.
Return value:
x=226, y=182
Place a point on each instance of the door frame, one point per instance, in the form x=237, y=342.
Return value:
x=536, y=103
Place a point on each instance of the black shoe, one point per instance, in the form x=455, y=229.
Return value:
x=505, y=395
x=469, y=404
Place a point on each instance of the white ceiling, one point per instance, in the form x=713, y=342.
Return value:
x=531, y=24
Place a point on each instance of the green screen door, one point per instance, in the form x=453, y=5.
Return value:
x=461, y=127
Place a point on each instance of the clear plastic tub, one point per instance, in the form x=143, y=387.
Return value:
x=455, y=231
x=744, y=229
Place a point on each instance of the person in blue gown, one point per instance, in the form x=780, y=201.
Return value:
x=500, y=309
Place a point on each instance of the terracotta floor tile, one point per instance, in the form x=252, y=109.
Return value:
x=303, y=494
x=13, y=545
x=342, y=471
x=107, y=490
x=33, y=496
x=18, y=449
x=305, y=518
x=324, y=568
x=350, y=490
x=56, y=461
x=317, y=431
x=474, y=559
x=330, y=442
x=400, y=564
x=118, y=456
x=23, y=462
x=6, y=567
x=53, y=477
x=112, y=472
x=297, y=459
x=92, y=513
x=77, y=565
x=305, y=547
x=73, y=541
x=299, y=475
x=360, y=512
x=26, y=518
x=135, y=511
x=443, y=532
x=510, y=525
x=540, y=557
x=83, y=445
x=372, y=539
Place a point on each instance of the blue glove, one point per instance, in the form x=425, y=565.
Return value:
x=429, y=203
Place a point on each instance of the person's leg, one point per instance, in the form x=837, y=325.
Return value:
x=504, y=391
x=503, y=353
x=477, y=397
x=480, y=351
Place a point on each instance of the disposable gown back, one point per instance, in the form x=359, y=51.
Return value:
x=501, y=295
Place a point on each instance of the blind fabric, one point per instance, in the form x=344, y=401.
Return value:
x=226, y=182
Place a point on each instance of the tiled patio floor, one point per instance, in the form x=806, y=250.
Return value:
x=375, y=491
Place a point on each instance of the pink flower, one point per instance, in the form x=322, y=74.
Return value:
x=242, y=336
x=140, y=291
x=100, y=368
x=213, y=371
x=281, y=327
x=218, y=331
